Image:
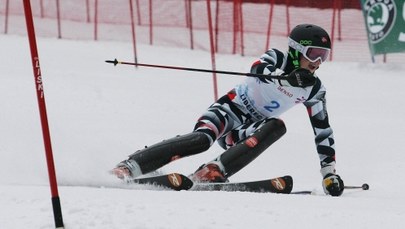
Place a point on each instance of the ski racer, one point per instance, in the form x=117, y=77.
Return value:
x=245, y=120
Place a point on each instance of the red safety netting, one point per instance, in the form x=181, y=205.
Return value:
x=239, y=27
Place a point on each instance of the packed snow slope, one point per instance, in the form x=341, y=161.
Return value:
x=98, y=114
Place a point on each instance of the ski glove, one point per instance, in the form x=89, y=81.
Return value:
x=333, y=184
x=301, y=77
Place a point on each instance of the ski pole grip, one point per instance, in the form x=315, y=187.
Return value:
x=115, y=62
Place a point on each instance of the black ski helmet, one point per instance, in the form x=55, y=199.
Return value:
x=306, y=35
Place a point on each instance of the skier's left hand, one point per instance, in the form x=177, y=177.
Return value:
x=333, y=184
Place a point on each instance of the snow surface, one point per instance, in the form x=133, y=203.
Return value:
x=98, y=114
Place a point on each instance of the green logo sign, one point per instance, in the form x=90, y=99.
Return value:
x=380, y=18
x=385, y=24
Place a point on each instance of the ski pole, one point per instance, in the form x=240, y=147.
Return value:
x=115, y=62
x=307, y=192
x=363, y=187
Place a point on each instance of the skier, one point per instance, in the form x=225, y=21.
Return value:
x=245, y=121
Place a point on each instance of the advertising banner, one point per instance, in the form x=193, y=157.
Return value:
x=385, y=24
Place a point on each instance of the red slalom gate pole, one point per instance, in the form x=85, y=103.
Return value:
x=57, y=211
x=212, y=48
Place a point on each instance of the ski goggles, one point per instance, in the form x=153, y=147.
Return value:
x=311, y=53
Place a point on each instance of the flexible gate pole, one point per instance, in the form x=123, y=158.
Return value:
x=44, y=120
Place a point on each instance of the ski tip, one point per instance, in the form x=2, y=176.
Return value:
x=179, y=181
x=282, y=184
x=288, y=184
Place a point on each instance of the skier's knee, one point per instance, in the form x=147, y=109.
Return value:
x=273, y=128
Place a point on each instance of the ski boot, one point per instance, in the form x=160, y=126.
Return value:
x=127, y=169
x=209, y=173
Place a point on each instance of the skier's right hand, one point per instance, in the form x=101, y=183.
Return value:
x=301, y=77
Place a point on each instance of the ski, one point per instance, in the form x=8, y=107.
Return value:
x=274, y=185
x=177, y=181
x=174, y=181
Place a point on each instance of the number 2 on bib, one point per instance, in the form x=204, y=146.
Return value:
x=274, y=105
